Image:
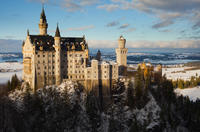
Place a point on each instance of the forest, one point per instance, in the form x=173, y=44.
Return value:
x=142, y=106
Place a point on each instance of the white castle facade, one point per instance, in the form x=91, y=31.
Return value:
x=49, y=60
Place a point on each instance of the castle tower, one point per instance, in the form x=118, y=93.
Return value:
x=57, y=56
x=98, y=55
x=43, y=25
x=121, y=54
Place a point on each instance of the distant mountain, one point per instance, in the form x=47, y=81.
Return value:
x=10, y=45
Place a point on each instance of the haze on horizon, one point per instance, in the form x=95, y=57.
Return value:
x=144, y=23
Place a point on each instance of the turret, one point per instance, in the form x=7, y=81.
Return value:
x=98, y=55
x=28, y=35
x=57, y=36
x=57, y=47
x=121, y=42
x=43, y=25
x=121, y=55
x=27, y=32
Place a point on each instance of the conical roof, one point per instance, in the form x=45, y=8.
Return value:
x=43, y=16
x=57, y=34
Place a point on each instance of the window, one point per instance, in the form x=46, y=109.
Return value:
x=38, y=55
x=53, y=55
x=38, y=62
x=104, y=71
x=43, y=55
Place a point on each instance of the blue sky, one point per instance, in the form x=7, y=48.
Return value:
x=144, y=23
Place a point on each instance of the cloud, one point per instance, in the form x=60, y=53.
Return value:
x=108, y=7
x=112, y=24
x=10, y=45
x=162, y=24
x=123, y=26
x=70, y=5
x=146, y=44
x=168, y=11
x=129, y=30
x=165, y=31
x=40, y=1
x=81, y=28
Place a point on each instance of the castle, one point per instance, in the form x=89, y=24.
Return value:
x=49, y=60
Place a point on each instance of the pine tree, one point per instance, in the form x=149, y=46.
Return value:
x=93, y=110
x=130, y=95
x=15, y=82
x=8, y=85
x=139, y=84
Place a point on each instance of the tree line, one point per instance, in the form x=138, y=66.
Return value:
x=193, y=82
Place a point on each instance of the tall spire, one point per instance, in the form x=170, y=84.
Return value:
x=27, y=32
x=42, y=15
x=43, y=25
x=57, y=34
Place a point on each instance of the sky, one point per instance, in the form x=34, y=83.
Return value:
x=144, y=23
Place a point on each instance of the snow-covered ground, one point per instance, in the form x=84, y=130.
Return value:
x=192, y=93
x=8, y=69
x=180, y=73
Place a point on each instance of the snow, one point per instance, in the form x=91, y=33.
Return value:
x=192, y=93
x=8, y=69
x=150, y=113
x=11, y=66
x=180, y=73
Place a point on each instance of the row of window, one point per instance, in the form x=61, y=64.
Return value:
x=76, y=77
x=76, y=55
x=123, y=52
x=45, y=62
x=44, y=55
x=45, y=73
